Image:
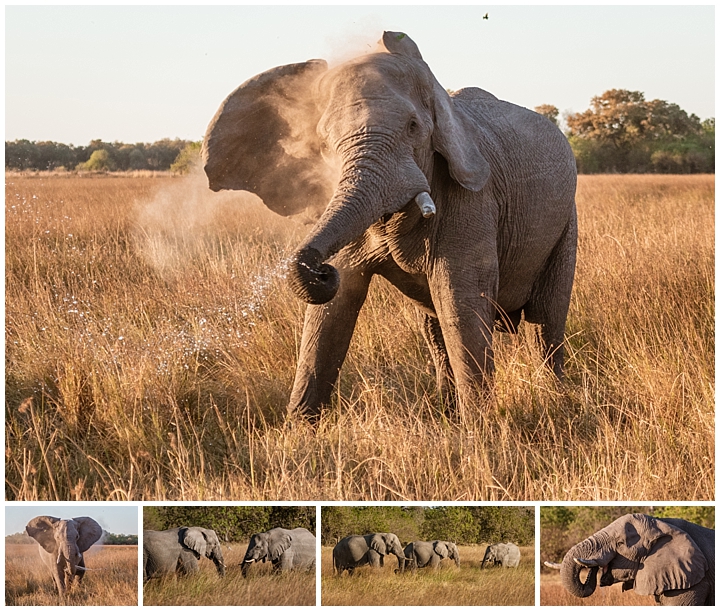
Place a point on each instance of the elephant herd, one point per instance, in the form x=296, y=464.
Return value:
x=177, y=551
x=371, y=549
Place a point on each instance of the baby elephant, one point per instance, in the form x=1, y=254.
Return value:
x=506, y=555
x=178, y=550
x=286, y=549
x=430, y=553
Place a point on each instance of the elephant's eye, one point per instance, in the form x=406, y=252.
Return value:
x=413, y=127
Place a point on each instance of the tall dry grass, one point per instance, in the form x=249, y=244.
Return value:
x=112, y=580
x=207, y=588
x=152, y=338
x=553, y=593
x=449, y=585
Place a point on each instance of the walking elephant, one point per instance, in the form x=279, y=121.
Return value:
x=286, y=549
x=62, y=544
x=359, y=550
x=669, y=558
x=176, y=551
x=430, y=553
x=506, y=555
x=464, y=202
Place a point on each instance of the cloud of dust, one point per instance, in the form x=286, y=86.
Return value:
x=362, y=38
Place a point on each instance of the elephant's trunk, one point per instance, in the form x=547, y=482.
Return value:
x=244, y=566
x=364, y=195
x=571, y=569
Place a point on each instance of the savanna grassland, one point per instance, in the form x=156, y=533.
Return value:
x=151, y=343
x=207, y=588
x=448, y=585
x=553, y=593
x=112, y=578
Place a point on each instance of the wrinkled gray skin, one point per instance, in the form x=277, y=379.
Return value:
x=359, y=550
x=669, y=558
x=62, y=544
x=178, y=550
x=430, y=554
x=287, y=550
x=506, y=555
x=501, y=243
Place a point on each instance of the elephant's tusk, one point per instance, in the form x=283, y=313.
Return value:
x=425, y=203
x=553, y=565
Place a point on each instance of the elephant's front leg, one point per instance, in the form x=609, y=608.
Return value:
x=326, y=337
x=464, y=299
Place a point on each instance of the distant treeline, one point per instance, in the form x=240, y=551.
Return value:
x=107, y=539
x=463, y=525
x=230, y=523
x=105, y=156
x=563, y=527
x=621, y=132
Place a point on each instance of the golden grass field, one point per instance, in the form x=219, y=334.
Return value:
x=207, y=588
x=113, y=579
x=553, y=593
x=152, y=338
x=449, y=585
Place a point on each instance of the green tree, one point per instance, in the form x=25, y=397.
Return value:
x=187, y=159
x=99, y=161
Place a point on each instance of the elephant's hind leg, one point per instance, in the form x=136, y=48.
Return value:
x=550, y=299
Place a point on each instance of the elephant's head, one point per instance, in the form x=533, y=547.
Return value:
x=493, y=554
x=204, y=542
x=446, y=549
x=642, y=552
x=266, y=546
x=65, y=540
x=365, y=136
x=388, y=543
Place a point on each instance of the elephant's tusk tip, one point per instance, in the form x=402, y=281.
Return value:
x=426, y=204
x=552, y=565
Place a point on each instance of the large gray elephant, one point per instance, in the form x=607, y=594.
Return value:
x=464, y=202
x=286, y=549
x=359, y=550
x=669, y=558
x=506, y=555
x=430, y=553
x=177, y=550
x=62, y=544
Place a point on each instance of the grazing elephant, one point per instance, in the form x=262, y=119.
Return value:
x=670, y=558
x=177, y=550
x=430, y=553
x=359, y=550
x=464, y=202
x=62, y=544
x=506, y=555
x=286, y=549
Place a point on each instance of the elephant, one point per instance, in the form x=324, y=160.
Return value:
x=669, y=558
x=359, y=550
x=463, y=202
x=430, y=553
x=62, y=544
x=286, y=549
x=506, y=555
x=168, y=552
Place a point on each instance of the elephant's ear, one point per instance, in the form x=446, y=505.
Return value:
x=194, y=539
x=441, y=549
x=41, y=529
x=278, y=546
x=89, y=530
x=455, y=137
x=378, y=544
x=669, y=559
x=263, y=139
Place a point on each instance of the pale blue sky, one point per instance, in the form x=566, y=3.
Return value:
x=116, y=519
x=139, y=74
